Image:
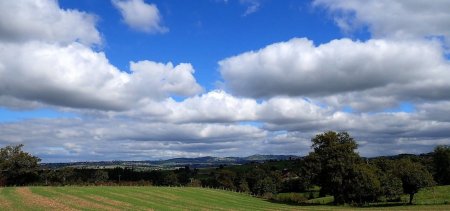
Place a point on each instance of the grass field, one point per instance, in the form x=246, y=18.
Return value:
x=163, y=198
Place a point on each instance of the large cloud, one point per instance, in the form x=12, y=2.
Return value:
x=23, y=20
x=75, y=76
x=46, y=58
x=392, y=18
x=299, y=68
x=140, y=16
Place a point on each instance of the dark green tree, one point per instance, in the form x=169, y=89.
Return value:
x=391, y=185
x=441, y=161
x=336, y=157
x=265, y=186
x=243, y=186
x=225, y=179
x=364, y=185
x=169, y=179
x=414, y=176
x=17, y=167
x=100, y=176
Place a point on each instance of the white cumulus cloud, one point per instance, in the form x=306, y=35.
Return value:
x=43, y=20
x=377, y=67
x=140, y=16
x=392, y=18
x=46, y=58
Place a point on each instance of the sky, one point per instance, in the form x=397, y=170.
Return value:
x=151, y=79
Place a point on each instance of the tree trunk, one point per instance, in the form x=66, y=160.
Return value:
x=411, y=196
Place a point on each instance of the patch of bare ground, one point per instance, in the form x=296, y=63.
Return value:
x=34, y=200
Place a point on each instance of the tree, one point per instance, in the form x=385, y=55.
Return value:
x=364, y=184
x=391, y=185
x=243, y=186
x=441, y=161
x=225, y=179
x=265, y=186
x=170, y=179
x=17, y=167
x=414, y=176
x=100, y=176
x=336, y=158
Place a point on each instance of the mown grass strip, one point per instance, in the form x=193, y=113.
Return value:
x=118, y=194
x=76, y=192
x=63, y=195
x=4, y=201
x=170, y=198
x=38, y=202
x=15, y=200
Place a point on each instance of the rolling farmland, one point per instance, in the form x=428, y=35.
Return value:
x=160, y=198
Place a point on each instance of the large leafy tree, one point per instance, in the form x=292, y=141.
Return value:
x=391, y=185
x=336, y=158
x=441, y=161
x=363, y=185
x=17, y=167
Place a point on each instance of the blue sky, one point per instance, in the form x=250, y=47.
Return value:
x=204, y=32
x=149, y=79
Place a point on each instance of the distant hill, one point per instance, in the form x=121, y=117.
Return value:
x=199, y=162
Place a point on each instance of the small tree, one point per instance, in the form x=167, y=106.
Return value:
x=17, y=167
x=414, y=176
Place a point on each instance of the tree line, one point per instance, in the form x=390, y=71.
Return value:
x=333, y=166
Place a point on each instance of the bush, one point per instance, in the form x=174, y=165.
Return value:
x=292, y=198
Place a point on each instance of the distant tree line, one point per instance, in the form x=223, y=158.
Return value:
x=333, y=166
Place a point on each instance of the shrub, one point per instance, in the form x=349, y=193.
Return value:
x=294, y=198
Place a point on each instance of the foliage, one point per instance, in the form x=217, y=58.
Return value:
x=243, y=186
x=364, y=184
x=17, y=167
x=294, y=198
x=264, y=186
x=100, y=176
x=414, y=176
x=441, y=161
x=391, y=186
x=336, y=160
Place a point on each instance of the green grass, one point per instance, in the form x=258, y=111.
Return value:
x=172, y=198
x=433, y=195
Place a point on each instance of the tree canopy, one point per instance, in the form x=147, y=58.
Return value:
x=336, y=158
x=17, y=167
x=441, y=161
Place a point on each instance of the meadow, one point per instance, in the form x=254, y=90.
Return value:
x=176, y=198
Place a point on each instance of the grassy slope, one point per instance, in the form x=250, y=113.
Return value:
x=159, y=198
x=434, y=195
